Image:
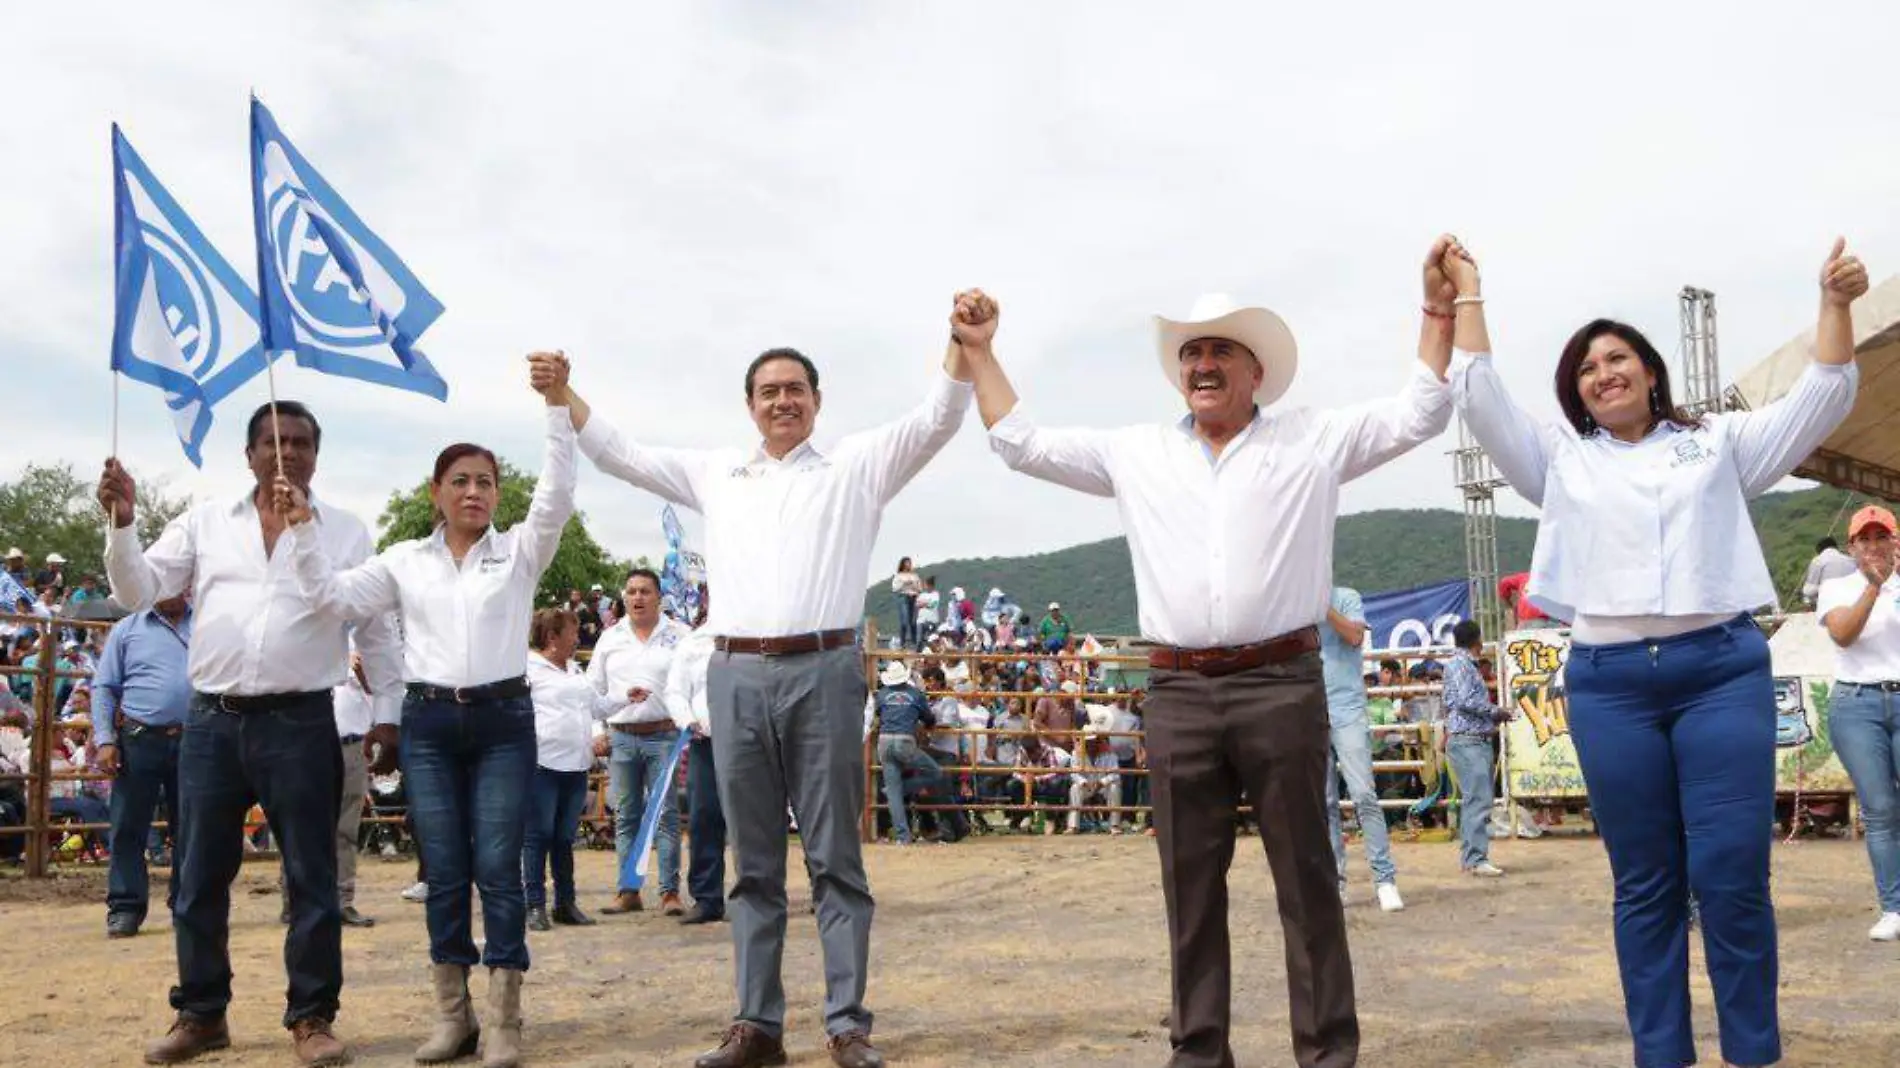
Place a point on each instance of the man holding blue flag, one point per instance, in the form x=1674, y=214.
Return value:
x=261, y=727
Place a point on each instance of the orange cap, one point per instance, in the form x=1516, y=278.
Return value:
x=1871, y=516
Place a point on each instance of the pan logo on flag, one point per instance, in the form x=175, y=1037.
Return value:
x=322, y=296
x=184, y=295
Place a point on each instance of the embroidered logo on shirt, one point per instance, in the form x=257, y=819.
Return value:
x=491, y=563
x=1688, y=451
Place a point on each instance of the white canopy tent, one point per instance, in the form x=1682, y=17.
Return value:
x=1863, y=454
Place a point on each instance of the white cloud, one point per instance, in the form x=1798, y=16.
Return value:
x=664, y=190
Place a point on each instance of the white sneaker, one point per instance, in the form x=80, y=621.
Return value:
x=1485, y=869
x=1888, y=929
x=418, y=892
x=1389, y=899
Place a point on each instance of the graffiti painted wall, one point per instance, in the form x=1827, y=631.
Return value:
x=1541, y=760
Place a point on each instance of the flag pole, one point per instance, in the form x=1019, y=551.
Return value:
x=112, y=513
x=276, y=442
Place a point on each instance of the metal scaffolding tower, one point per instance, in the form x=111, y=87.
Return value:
x=1478, y=481
x=1701, y=370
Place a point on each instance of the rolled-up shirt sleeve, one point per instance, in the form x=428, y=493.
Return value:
x=1078, y=459
x=1519, y=445
x=1769, y=443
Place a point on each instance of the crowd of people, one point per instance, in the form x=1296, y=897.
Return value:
x=1229, y=514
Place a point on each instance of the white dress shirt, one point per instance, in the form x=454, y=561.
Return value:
x=355, y=713
x=1875, y=655
x=462, y=625
x=788, y=542
x=686, y=683
x=565, y=711
x=253, y=632
x=1633, y=533
x=622, y=662
x=1235, y=549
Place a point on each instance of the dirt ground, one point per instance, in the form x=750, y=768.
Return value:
x=997, y=951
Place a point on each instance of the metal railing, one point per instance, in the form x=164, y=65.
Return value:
x=38, y=776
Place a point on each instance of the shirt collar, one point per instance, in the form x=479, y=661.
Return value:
x=1185, y=425
x=243, y=502
x=803, y=451
x=439, y=538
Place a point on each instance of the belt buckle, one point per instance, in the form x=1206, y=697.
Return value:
x=224, y=704
x=460, y=696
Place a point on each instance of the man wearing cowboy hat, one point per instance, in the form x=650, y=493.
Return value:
x=1229, y=514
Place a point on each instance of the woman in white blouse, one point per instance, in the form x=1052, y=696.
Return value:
x=466, y=594
x=906, y=585
x=566, y=708
x=1646, y=547
x=1863, y=717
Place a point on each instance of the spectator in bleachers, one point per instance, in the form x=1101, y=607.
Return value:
x=1097, y=775
x=905, y=586
x=1054, y=632
x=929, y=611
x=1045, y=773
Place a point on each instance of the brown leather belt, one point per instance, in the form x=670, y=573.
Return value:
x=652, y=726
x=1230, y=659
x=792, y=645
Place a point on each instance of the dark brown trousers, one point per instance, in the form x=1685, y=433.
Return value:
x=1265, y=732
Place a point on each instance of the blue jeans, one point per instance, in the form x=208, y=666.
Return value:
x=287, y=760
x=638, y=761
x=706, y=825
x=1676, y=739
x=907, y=620
x=1474, y=765
x=548, y=842
x=467, y=770
x=1352, y=745
x=148, y=768
x=898, y=753
x=1865, y=725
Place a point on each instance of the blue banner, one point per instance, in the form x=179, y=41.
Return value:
x=1417, y=617
x=332, y=291
x=634, y=871
x=183, y=320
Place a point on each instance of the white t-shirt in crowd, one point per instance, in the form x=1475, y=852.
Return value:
x=1875, y=655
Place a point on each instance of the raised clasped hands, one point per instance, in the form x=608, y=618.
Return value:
x=1843, y=277
x=548, y=374
x=973, y=318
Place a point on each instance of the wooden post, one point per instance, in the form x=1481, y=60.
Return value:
x=39, y=816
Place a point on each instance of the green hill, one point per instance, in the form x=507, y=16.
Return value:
x=1372, y=552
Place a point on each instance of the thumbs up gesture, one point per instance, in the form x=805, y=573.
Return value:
x=1843, y=277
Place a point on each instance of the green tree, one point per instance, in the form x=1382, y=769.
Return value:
x=50, y=509
x=578, y=563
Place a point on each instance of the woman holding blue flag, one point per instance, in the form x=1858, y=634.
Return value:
x=1645, y=544
x=466, y=594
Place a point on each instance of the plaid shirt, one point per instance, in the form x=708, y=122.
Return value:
x=1468, y=705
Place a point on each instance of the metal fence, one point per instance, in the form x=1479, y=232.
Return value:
x=44, y=833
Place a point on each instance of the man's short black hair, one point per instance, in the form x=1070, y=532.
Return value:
x=284, y=408
x=1393, y=666
x=752, y=372
x=1467, y=634
x=1825, y=544
x=643, y=572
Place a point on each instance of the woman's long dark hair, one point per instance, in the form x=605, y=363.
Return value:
x=446, y=459
x=903, y=565
x=1662, y=405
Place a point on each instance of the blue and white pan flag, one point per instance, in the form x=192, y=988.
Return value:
x=332, y=291
x=183, y=320
x=634, y=871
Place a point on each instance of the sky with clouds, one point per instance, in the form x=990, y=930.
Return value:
x=663, y=190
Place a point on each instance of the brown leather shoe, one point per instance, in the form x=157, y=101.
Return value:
x=625, y=901
x=670, y=905
x=853, y=1049
x=188, y=1038
x=316, y=1045
x=745, y=1046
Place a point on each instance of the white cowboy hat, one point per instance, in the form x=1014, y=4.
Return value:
x=895, y=673
x=1054, y=607
x=16, y=553
x=1216, y=315
x=55, y=558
